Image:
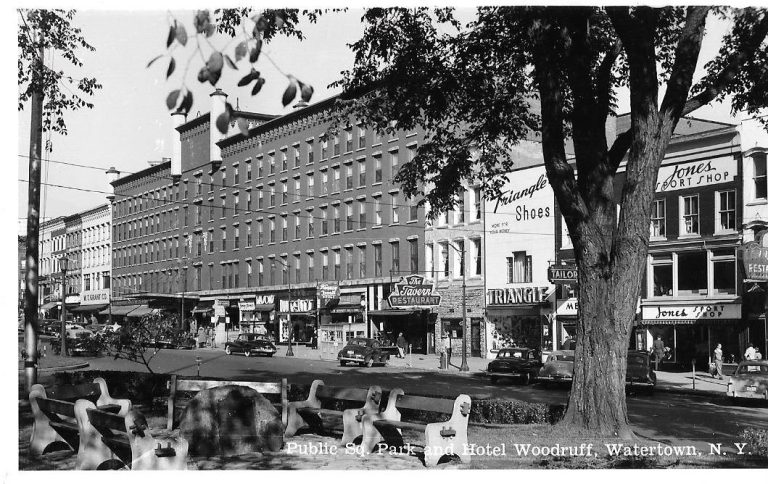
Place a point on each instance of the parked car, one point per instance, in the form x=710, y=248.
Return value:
x=250, y=344
x=522, y=364
x=74, y=330
x=750, y=380
x=558, y=368
x=639, y=370
x=364, y=351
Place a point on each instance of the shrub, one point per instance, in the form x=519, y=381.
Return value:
x=508, y=411
x=757, y=439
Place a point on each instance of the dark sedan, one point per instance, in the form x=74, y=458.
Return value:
x=250, y=344
x=364, y=351
x=558, y=368
x=521, y=364
x=639, y=371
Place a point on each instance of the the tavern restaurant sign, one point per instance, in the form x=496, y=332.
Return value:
x=516, y=295
x=411, y=291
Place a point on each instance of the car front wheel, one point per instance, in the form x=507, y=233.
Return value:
x=369, y=362
x=228, y=350
x=247, y=353
x=494, y=380
x=342, y=363
x=526, y=379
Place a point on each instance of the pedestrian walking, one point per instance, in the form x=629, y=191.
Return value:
x=750, y=353
x=718, y=373
x=402, y=344
x=658, y=351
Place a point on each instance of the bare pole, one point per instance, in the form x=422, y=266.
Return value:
x=33, y=222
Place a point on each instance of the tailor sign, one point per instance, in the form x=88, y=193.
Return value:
x=411, y=292
x=560, y=274
x=755, y=260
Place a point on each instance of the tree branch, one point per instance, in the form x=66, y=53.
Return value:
x=604, y=80
x=730, y=71
x=619, y=148
x=686, y=56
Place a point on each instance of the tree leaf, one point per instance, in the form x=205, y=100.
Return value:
x=222, y=122
x=241, y=51
x=242, y=124
x=257, y=87
x=215, y=62
x=186, y=103
x=153, y=60
x=279, y=20
x=230, y=63
x=289, y=94
x=306, y=91
x=172, y=99
x=181, y=34
x=210, y=29
x=203, y=75
x=171, y=36
x=171, y=68
x=213, y=77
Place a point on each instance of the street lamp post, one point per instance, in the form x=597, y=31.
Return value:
x=287, y=267
x=63, y=262
x=464, y=365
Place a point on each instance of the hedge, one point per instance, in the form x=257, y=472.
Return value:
x=146, y=388
x=757, y=439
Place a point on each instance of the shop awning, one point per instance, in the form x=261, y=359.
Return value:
x=348, y=303
x=393, y=312
x=298, y=313
x=49, y=305
x=202, y=309
x=141, y=311
x=263, y=308
x=121, y=310
x=89, y=308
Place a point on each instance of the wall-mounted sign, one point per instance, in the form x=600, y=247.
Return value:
x=696, y=174
x=264, y=299
x=411, y=291
x=691, y=311
x=327, y=293
x=246, y=306
x=516, y=295
x=297, y=305
x=560, y=274
x=221, y=302
x=754, y=257
x=569, y=307
x=72, y=299
x=94, y=297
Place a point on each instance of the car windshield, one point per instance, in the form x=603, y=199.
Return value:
x=562, y=358
x=512, y=354
x=251, y=337
x=751, y=369
x=636, y=360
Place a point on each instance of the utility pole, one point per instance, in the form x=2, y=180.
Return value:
x=33, y=223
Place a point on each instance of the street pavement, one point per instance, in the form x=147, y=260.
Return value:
x=667, y=417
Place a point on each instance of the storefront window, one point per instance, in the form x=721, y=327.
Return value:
x=692, y=273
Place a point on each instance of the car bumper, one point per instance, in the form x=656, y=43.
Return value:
x=751, y=395
x=555, y=378
x=354, y=359
x=262, y=351
x=509, y=374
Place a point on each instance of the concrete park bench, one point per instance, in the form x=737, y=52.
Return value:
x=190, y=386
x=55, y=426
x=109, y=441
x=314, y=414
x=441, y=438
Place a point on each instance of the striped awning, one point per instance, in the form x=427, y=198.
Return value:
x=141, y=311
x=120, y=310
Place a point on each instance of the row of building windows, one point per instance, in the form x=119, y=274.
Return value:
x=235, y=274
x=441, y=269
x=689, y=220
x=692, y=273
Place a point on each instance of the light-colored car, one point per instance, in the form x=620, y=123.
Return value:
x=558, y=368
x=74, y=330
x=750, y=380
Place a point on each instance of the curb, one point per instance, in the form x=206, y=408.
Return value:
x=78, y=366
x=689, y=391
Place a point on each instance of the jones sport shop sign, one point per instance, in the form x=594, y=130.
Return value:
x=696, y=174
x=755, y=260
x=411, y=291
x=516, y=295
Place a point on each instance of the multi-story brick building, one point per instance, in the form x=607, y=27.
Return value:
x=22, y=267
x=96, y=261
x=74, y=253
x=52, y=246
x=252, y=222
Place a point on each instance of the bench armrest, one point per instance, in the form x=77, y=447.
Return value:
x=106, y=399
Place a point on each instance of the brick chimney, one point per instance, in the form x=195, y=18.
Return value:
x=179, y=117
x=218, y=105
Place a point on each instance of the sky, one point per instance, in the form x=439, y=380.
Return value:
x=130, y=124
